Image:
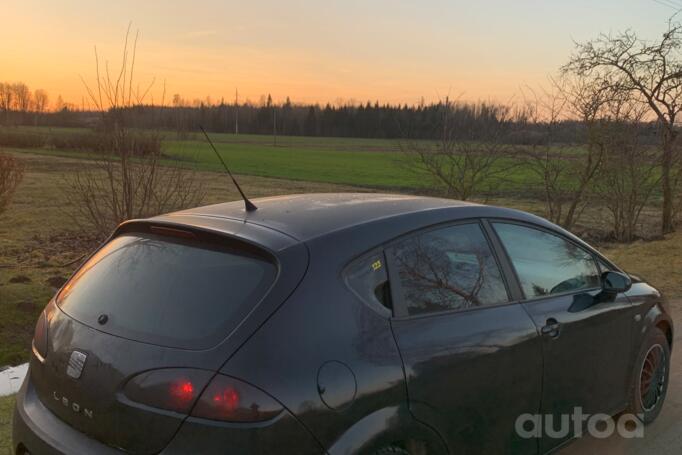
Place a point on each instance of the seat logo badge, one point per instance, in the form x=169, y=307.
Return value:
x=76, y=363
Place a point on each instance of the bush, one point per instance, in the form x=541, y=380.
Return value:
x=136, y=144
x=82, y=142
x=120, y=187
x=144, y=144
x=20, y=139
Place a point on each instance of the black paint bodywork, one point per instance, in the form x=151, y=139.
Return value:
x=352, y=378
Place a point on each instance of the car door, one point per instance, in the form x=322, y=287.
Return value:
x=472, y=356
x=585, y=334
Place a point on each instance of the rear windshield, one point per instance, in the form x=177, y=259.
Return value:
x=168, y=291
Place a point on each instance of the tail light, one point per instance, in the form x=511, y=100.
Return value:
x=225, y=398
x=231, y=400
x=39, y=345
x=173, y=389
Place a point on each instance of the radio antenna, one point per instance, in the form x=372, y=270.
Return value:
x=248, y=205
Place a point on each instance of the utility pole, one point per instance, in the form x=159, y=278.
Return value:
x=236, y=111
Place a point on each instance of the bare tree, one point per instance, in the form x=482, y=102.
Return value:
x=59, y=104
x=22, y=97
x=631, y=172
x=40, y=101
x=117, y=190
x=6, y=96
x=652, y=71
x=462, y=162
x=676, y=183
x=6, y=99
x=126, y=184
x=541, y=157
x=11, y=173
x=566, y=174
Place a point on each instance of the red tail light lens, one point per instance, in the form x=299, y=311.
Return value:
x=40, y=338
x=182, y=390
x=231, y=400
x=173, y=389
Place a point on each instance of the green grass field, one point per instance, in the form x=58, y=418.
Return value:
x=374, y=163
x=356, y=165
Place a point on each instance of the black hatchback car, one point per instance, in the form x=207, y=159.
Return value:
x=338, y=323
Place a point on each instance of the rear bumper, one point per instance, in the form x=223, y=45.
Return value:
x=38, y=431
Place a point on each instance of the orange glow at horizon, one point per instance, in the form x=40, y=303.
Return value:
x=395, y=52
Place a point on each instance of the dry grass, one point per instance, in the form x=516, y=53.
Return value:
x=38, y=236
x=658, y=261
x=6, y=406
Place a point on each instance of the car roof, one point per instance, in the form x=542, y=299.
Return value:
x=306, y=216
x=284, y=221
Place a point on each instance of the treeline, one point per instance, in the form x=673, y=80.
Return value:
x=19, y=105
x=369, y=120
x=18, y=97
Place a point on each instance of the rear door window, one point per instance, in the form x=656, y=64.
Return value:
x=168, y=291
x=451, y=268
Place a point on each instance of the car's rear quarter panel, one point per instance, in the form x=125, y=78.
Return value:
x=322, y=322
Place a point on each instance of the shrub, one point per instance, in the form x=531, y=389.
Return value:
x=20, y=139
x=82, y=142
x=135, y=144
x=120, y=187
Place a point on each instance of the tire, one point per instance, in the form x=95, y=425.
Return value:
x=650, y=377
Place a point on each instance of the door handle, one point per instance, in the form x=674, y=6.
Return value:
x=551, y=328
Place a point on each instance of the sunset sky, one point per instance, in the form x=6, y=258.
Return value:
x=312, y=51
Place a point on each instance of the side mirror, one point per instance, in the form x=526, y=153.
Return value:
x=615, y=282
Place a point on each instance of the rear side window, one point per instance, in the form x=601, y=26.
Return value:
x=367, y=277
x=451, y=268
x=168, y=291
x=545, y=263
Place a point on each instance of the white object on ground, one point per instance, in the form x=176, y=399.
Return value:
x=11, y=379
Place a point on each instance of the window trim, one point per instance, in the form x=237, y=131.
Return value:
x=409, y=317
x=524, y=298
x=399, y=307
x=614, y=268
x=506, y=264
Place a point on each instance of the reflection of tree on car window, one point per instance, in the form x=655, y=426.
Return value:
x=450, y=268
